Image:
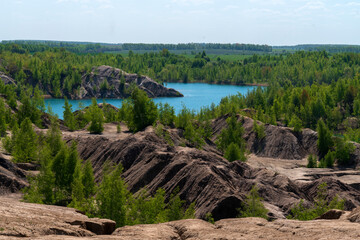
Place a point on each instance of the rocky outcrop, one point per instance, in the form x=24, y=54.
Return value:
x=243, y=229
x=109, y=82
x=20, y=219
x=12, y=178
x=279, y=142
x=6, y=79
x=354, y=216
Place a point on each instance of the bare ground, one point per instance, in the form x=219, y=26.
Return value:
x=20, y=220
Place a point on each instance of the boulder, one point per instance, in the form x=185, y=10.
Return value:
x=96, y=225
x=332, y=214
x=354, y=216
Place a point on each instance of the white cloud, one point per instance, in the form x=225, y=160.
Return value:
x=231, y=7
x=268, y=2
x=90, y=5
x=86, y=1
x=312, y=6
x=193, y=2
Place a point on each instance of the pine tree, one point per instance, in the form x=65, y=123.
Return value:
x=25, y=143
x=230, y=136
x=69, y=118
x=312, y=162
x=144, y=111
x=325, y=142
x=72, y=163
x=88, y=180
x=96, y=118
x=59, y=169
x=111, y=198
x=233, y=153
x=53, y=138
x=296, y=123
x=2, y=119
x=2, y=125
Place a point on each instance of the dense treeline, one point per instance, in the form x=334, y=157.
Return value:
x=197, y=46
x=86, y=47
x=58, y=72
x=336, y=48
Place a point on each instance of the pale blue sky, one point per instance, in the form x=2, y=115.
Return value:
x=273, y=22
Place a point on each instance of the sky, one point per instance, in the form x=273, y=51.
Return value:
x=272, y=22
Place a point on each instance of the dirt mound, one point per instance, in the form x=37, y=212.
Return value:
x=279, y=142
x=109, y=82
x=216, y=185
x=12, y=178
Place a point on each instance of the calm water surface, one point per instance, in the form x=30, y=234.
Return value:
x=196, y=95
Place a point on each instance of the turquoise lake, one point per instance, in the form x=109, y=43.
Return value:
x=196, y=95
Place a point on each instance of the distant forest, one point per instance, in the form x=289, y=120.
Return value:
x=220, y=48
x=330, y=48
x=59, y=72
x=86, y=47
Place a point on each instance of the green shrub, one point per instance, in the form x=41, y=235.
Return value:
x=324, y=142
x=194, y=135
x=162, y=133
x=112, y=196
x=296, y=123
x=252, y=206
x=234, y=153
x=232, y=134
x=312, y=161
x=69, y=118
x=343, y=151
x=209, y=218
x=25, y=143
x=328, y=161
x=96, y=117
x=142, y=111
x=259, y=130
x=321, y=206
x=166, y=114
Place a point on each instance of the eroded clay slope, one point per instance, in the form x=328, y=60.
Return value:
x=216, y=185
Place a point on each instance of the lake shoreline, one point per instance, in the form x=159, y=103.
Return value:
x=196, y=96
x=229, y=84
x=220, y=84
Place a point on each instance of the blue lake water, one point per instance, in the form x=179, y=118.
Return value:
x=196, y=95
